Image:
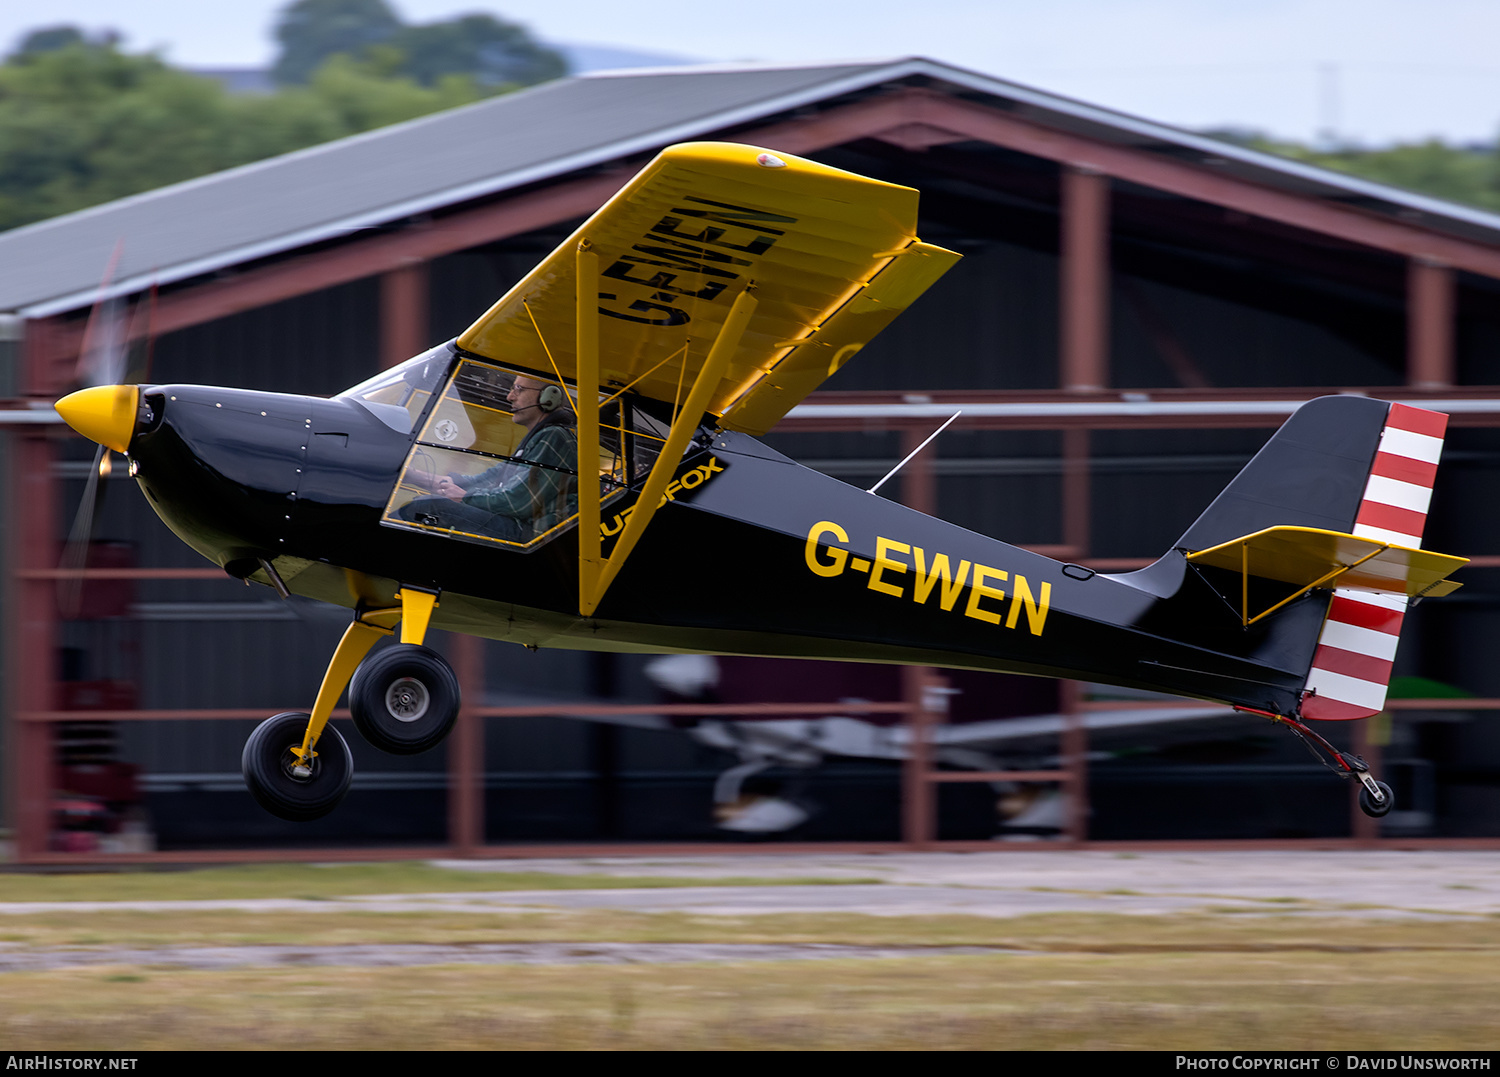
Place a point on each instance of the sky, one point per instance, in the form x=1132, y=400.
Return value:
x=1361, y=72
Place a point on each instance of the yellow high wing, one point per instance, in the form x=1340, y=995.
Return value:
x=723, y=279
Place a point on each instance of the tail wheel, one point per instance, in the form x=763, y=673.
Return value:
x=1367, y=802
x=277, y=782
x=404, y=699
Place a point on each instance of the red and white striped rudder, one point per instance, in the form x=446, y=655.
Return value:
x=1351, y=668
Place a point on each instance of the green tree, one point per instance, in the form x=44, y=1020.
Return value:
x=1431, y=167
x=1456, y=173
x=50, y=39
x=83, y=124
x=86, y=123
x=350, y=96
x=492, y=51
x=311, y=31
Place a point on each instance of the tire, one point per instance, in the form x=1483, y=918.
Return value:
x=267, y=766
x=1367, y=803
x=404, y=699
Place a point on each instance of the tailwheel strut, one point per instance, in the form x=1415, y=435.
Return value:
x=1375, y=797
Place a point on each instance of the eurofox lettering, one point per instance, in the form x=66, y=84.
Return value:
x=688, y=480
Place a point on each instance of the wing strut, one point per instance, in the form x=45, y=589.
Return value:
x=590, y=559
x=595, y=572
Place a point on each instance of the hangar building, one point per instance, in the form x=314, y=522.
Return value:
x=1137, y=308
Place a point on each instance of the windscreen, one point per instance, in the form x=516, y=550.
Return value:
x=397, y=397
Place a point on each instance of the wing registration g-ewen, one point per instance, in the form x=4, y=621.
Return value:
x=833, y=258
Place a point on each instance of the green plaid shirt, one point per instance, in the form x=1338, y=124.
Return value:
x=539, y=496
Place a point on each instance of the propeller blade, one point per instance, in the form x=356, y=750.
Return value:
x=141, y=341
x=76, y=553
x=101, y=359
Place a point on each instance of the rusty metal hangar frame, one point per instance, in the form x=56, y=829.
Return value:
x=913, y=106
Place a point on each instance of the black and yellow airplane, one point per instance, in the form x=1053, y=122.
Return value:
x=580, y=469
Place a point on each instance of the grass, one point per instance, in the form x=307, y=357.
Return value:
x=314, y=881
x=1174, y=1001
x=1093, y=933
x=1188, y=981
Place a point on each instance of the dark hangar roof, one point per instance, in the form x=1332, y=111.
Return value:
x=324, y=192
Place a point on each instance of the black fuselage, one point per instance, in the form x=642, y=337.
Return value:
x=751, y=554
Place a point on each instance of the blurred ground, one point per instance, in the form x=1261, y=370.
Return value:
x=1012, y=883
x=1322, y=951
x=1345, y=884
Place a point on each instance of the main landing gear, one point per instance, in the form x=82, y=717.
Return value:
x=1375, y=797
x=404, y=700
x=281, y=784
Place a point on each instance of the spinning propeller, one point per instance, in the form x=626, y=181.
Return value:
x=103, y=411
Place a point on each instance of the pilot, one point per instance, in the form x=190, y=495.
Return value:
x=512, y=501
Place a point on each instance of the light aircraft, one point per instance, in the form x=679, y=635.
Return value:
x=580, y=468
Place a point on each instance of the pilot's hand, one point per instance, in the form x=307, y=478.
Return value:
x=446, y=487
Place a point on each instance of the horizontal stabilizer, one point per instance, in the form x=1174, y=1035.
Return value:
x=1309, y=557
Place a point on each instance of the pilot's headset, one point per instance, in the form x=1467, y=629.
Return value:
x=551, y=398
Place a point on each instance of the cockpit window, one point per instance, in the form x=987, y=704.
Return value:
x=397, y=397
x=496, y=459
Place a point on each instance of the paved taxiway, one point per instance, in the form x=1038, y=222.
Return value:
x=1442, y=885
x=1407, y=885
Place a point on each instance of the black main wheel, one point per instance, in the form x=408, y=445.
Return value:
x=1367, y=802
x=270, y=769
x=404, y=699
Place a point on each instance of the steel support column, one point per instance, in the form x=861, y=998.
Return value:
x=403, y=313
x=49, y=352
x=1429, y=324
x=1077, y=493
x=1075, y=753
x=33, y=639
x=922, y=692
x=919, y=478
x=1084, y=281
x=918, y=793
x=32, y=635
x=466, y=748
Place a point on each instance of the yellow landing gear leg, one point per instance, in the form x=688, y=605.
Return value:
x=416, y=612
x=404, y=700
x=363, y=633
